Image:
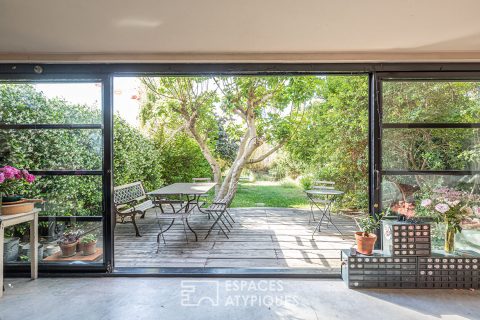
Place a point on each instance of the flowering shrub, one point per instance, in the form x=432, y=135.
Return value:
x=11, y=178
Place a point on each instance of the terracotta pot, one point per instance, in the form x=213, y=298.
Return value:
x=79, y=247
x=365, y=245
x=68, y=250
x=89, y=248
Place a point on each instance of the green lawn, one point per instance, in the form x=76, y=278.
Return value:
x=270, y=194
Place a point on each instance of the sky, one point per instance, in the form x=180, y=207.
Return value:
x=125, y=101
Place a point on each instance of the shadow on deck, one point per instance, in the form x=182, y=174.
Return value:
x=260, y=238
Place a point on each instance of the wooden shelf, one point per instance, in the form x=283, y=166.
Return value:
x=57, y=257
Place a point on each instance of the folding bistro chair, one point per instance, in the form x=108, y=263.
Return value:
x=202, y=199
x=220, y=210
x=320, y=200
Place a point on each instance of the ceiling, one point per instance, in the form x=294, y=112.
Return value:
x=158, y=30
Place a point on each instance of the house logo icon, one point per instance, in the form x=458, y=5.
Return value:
x=196, y=293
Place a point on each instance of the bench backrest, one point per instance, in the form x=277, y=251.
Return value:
x=199, y=180
x=128, y=192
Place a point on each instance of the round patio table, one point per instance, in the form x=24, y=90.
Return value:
x=329, y=196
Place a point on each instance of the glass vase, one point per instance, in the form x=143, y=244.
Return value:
x=449, y=239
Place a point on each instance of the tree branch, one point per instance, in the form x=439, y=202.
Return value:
x=267, y=154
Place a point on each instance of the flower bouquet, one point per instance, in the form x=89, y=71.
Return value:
x=451, y=207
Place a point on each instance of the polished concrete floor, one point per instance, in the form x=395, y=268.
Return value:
x=195, y=298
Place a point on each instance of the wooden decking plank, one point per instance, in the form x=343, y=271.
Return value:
x=265, y=238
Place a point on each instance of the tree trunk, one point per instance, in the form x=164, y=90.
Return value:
x=248, y=145
x=217, y=173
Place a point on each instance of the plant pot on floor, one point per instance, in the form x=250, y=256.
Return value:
x=25, y=251
x=365, y=244
x=10, y=249
x=68, y=249
x=89, y=248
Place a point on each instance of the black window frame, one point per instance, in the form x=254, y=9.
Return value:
x=106, y=71
x=379, y=172
x=105, y=126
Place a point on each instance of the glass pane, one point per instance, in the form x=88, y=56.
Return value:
x=431, y=149
x=66, y=195
x=416, y=196
x=51, y=103
x=72, y=149
x=88, y=251
x=431, y=101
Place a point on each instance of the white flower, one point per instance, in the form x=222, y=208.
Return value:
x=476, y=210
x=442, y=207
x=426, y=203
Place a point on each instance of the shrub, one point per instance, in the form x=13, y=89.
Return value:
x=306, y=182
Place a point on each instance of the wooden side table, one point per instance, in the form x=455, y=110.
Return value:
x=10, y=220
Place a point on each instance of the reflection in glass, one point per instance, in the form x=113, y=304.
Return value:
x=431, y=149
x=431, y=101
x=50, y=103
x=411, y=196
x=86, y=248
x=53, y=149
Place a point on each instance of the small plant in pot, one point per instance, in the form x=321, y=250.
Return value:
x=89, y=244
x=68, y=244
x=366, y=238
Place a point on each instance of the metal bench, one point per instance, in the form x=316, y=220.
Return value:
x=129, y=202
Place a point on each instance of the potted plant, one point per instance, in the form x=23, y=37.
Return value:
x=366, y=238
x=89, y=244
x=11, y=179
x=68, y=244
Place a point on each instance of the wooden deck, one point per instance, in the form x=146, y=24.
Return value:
x=260, y=238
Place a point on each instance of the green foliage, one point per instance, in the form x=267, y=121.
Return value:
x=136, y=157
x=331, y=143
x=89, y=238
x=369, y=223
x=182, y=160
x=306, y=182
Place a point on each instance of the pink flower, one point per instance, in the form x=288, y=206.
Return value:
x=30, y=178
x=426, y=203
x=442, y=207
x=2, y=177
x=25, y=173
x=9, y=172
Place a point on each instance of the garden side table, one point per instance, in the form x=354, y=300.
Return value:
x=10, y=220
x=330, y=196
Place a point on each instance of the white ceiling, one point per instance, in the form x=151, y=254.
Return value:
x=110, y=29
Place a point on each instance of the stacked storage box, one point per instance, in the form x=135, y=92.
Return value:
x=378, y=271
x=448, y=272
x=406, y=239
x=407, y=262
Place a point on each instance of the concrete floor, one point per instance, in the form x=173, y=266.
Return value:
x=195, y=298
